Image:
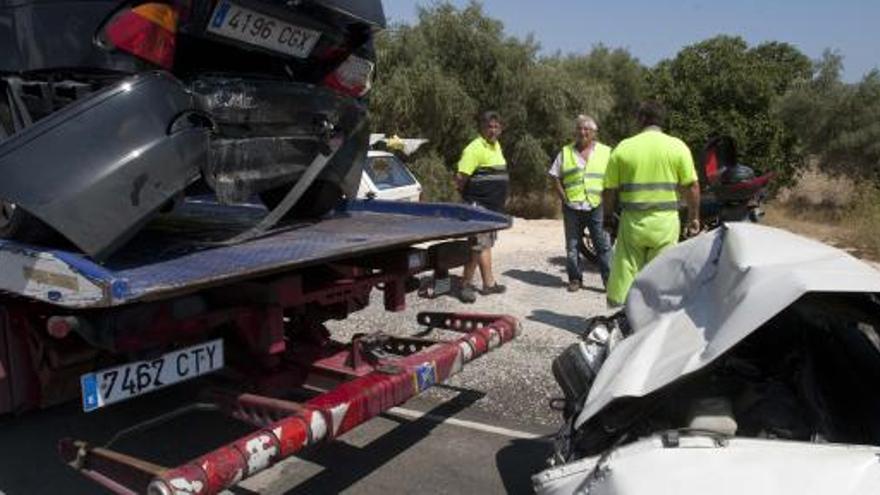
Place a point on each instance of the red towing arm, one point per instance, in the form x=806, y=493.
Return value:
x=407, y=367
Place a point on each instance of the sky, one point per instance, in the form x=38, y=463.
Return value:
x=656, y=30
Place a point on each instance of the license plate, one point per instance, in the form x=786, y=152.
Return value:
x=112, y=385
x=442, y=286
x=232, y=21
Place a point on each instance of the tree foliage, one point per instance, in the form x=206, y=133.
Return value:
x=837, y=122
x=623, y=76
x=436, y=77
x=721, y=86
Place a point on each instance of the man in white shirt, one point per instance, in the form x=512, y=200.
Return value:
x=579, y=171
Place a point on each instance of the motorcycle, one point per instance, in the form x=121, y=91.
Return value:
x=731, y=192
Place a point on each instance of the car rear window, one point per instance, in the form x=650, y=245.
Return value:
x=388, y=172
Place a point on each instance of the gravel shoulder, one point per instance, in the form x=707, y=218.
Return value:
x=515, y=381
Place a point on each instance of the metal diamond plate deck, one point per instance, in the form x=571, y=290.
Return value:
x=184, y=252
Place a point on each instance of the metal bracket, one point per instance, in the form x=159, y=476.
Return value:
x=293, y=196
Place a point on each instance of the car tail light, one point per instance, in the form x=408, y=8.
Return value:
x=353, y=76
x=147, y=31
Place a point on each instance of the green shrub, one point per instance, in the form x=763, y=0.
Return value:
x=437, y=180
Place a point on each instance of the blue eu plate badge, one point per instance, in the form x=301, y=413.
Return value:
x=91, y=398
x=425, y=376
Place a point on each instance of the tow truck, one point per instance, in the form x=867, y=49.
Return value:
x=179, y=302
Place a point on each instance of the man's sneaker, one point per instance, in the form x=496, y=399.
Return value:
x=574, y=286
x=494, y=289
x=467, y=294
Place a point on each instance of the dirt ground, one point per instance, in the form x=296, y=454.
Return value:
x=515, y=381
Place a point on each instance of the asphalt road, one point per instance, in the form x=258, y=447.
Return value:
x=426, y=447
x=485, y=432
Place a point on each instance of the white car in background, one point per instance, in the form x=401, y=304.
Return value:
x=385, y=175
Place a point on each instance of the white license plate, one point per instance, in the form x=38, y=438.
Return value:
x=111, y=385
x=442, y=286
x=250, y=26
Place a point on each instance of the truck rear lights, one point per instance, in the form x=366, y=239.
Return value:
x=352, y=77
x=147, y=31
x=60, y=326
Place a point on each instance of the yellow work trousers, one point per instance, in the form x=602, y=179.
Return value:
x=641, y=236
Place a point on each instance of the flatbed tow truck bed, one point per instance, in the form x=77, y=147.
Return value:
x=184, y=253
x=180, y=301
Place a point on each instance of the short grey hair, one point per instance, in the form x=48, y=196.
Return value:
x=586, y=121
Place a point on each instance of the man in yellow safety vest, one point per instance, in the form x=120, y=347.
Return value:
x=482, y=180
x=579, y=171
x=645, y=175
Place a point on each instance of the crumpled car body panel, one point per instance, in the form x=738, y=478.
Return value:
x=267, y=132
x=97, y=169
x=699, y=465
x=751, y=367
x=699, y=299
x=100, y=167
x=263, y=115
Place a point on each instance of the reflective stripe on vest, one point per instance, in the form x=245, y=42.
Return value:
x=584, y=184
x=649, y=196
x=490, y=173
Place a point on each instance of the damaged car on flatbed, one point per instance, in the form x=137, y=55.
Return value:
x=747, y=360
x=111, y=111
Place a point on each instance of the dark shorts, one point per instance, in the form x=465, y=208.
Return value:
x=483, y=241
x=491, y=194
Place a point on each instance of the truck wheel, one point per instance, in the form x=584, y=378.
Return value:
x=321, y=197
x=588, y=249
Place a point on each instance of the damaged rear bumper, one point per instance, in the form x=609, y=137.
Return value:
x=101, y=167
x=267, y=132
x=97, y=169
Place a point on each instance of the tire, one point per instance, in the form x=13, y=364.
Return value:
x=588, y=249
x=321, y=197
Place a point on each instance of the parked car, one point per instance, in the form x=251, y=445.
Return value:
x=386, y=177
x=746, y=361
x=113, y=109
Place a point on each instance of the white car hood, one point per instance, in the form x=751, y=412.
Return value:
x=699, y=299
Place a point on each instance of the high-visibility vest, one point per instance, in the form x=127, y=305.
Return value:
x=647, y=170
x=584, y=184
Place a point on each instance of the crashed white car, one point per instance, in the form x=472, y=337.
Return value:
x=751, y=364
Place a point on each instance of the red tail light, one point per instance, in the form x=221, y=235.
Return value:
x=711, y=167
x=148, y=31
x=353, y=76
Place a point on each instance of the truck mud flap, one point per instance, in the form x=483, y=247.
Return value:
x=99, y=168
x=382, y=372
